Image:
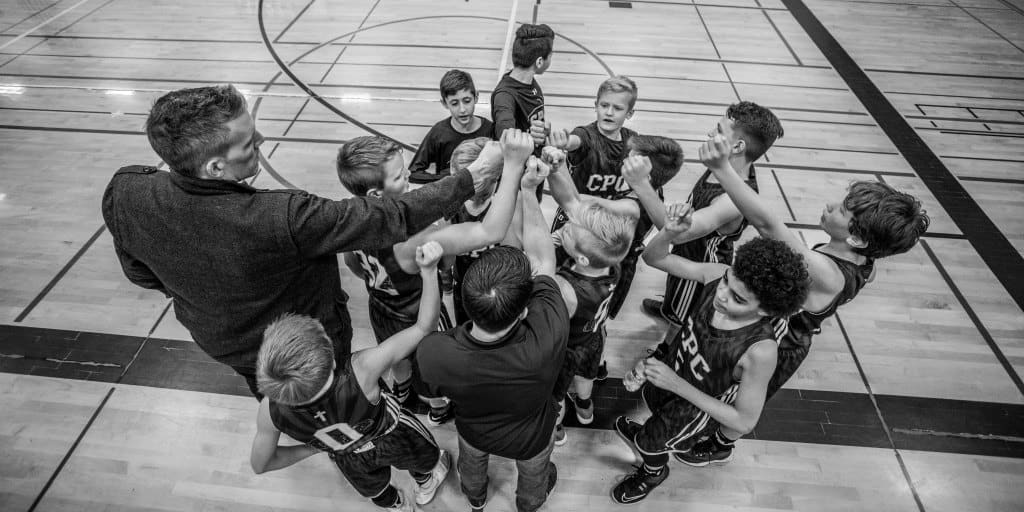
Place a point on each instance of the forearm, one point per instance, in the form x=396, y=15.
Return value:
x=284, y=456
x=536, y=238
x=747, y=201
x=563, y=189
x=722, y=412
x=653, y=204
x=659, y=248
x=503, y=204
x=430, y=301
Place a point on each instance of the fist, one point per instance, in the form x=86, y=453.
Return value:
x=714, y=153
x=636, y=169
x=552, y=156
x=516, y=146
x=536, y=172
x=559, y=138
x=679, y=217
x=539, y=131
x=427, y=255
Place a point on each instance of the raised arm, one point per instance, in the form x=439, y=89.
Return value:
x=636, y=170
x=370, y=364
x=756, y=365
x=266, y=454
x=658, y=252
x=559, y=182
x=536, y=238
x=503, y=112
x=564, y=140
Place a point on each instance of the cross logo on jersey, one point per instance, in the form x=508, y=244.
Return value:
x=320, y=416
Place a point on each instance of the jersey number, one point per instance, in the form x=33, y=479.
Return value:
x=376, y=277
x=339, y=436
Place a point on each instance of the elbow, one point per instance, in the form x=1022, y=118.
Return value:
x=650, y=258
x=258, y=467
x=744, y=427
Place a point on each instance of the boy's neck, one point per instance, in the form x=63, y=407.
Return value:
x=729, y=323
x=842, y=250
x=474, y=125
x=524, y=75
x=615, y=135
x=488, y=337
x=740, y=165
x=590, y=271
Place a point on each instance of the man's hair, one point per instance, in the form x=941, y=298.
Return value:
x=887, y=220
x=532, y=42
x=602, y=236
x=187, y=127
x=774, y=273
x=666, y=156
x=497, y=287
x=619, y=83
x=759, y=126
x=361, y=163
x=295, y=359
x=454, y=81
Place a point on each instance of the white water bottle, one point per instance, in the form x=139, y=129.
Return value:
x=635, y=378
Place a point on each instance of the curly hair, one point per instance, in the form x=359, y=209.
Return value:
x=887, y=220
x=187, y=127
x=361, y=161
x=295, y=359
x=774, y=273
x=759, y=125
x=532, y=42
x=666, y=156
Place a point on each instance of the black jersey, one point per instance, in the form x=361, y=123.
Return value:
x=795, y=333
x=464, y=260
x=593, y=299
x=390, y=287
x=342, y=421
x=596, y=165
x=706, y=356
x=437, y=148
x=517, y=102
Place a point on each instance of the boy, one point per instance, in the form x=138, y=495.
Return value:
x=720, y=364
x=346, y=411
x=750, y=130
x=459, y=96
x=517, y=100
x=373, y=167
x=499, y=370
x=872, y=221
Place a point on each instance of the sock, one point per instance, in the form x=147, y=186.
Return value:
x=402, y=390
x=653, y=470
x=722, y=440
x=420, y=478
x=583, y=403
x=389, y=498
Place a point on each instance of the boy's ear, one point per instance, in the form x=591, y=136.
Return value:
x=583, y=260
x=740, y=147
x=856, y=242
x=629, y=114
x=374, y=192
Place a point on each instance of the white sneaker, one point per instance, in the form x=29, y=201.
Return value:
x=425, y=492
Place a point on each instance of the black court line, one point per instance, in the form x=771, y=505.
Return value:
x=992, y=180
x=779, y=33
x=689, y=4
x=878, y=411
x=71, y=450
x=982, y=158
x=783, y=192
x=978, y=324
x=46, y=37
x=969, y=120
x=994, y=31
x=1009, y=5
x=53, y=282
x=959, y=96
x=292, y=22
x=1011, y=135
x=30, y=16
x=991, y=244
x=948, y=75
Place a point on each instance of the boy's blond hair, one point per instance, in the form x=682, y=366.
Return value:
x=295, y=359
x=602, y=236
x=619, y=83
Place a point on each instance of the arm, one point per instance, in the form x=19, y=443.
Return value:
x=564, y=140
x=536, y=238
x=559, y=182
x=568, y=294
x=756, y=366
x=503, y=112
x=370, y=364
x=636, y=170
x=137, y=272
x=658, y=252
x=420, y=168
x=267, y=455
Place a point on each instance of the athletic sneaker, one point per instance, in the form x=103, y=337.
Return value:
x=475, y=505
x=602, y=372
x=425, y=491
x=637, y=485
x=709, y=451
x=403, y=504
x=585, y=415
x=561, y=437
x=440, y=415
x=652, y=307
x=627, y=429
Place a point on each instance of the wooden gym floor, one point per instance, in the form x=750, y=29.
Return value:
x=911, y=398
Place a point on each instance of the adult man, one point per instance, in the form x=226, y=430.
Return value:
x=231, y=257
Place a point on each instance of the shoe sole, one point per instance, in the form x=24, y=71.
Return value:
x=701, y=464
x=585, y=421
x=427, y=498
x=622, y=436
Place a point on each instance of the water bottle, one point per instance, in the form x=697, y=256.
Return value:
x=635, y=378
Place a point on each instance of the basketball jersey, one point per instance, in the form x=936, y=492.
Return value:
x=464, y=260
x=596, y=167
x=593, y=298
x=342, y=421
x=390, y=287
x=715, y=247
x=706, y=356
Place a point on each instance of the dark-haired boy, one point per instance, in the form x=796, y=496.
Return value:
x=459, y=96
x=517, y=100
x=499, y=370
x=719, y=366
x=750, y=130
x=346, y=411
x=872, y=221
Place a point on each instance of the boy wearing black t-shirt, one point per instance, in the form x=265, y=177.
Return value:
x=459, y=96
x=517, y=101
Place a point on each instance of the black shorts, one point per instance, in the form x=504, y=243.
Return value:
x=792, y=352
x=408, y=447
x=386, y=324
x=675, y=424
x=680, y=295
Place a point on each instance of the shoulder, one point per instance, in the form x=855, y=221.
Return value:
x=136, y=170
x=762, y=353
x=547, y=293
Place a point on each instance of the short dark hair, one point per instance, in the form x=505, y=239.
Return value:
x=361, y=161
x=454, y=81
x=497, y=288
x=295, y=359
x=666, y=156
x=774, y=273
x=187, y=127
x=887, y=220
x=532, y=42
x=759, y=126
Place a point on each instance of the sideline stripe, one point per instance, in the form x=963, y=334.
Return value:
x=53, y=282
x=41, y=25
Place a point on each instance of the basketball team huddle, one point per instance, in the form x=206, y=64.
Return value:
x=253, y=274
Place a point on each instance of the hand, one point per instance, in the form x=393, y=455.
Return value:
x=516, y=146
x=553, y=156
x=539, y=130
x=427, y=256
x=490, y=155
x=678, y=218
x=660, y=375
x=559, y=138
x=636, y=170
x=714, y=153
x=536, y=172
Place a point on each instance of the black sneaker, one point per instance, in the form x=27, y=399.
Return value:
x=602, y=372
x=652, y=307
x=476, y=505
x=627, y=429
x=638, y=485
x=706, y=452
x=440, y=415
